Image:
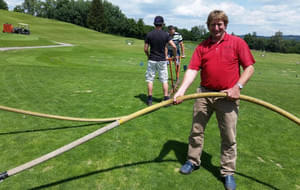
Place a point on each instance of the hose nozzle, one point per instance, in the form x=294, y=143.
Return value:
x=3, y=176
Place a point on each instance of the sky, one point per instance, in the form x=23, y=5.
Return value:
x=265, y=17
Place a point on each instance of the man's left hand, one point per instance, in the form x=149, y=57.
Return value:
x=233, y=93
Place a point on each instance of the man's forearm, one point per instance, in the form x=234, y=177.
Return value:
x=173, y=47
x=246, y=75
x=188, y=79
x=147, y=54
x=182, y=48
x=234, y=92
x=146, y=50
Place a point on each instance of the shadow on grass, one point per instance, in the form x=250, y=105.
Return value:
x=98, y=172
x=144, y=98
x=48, y=129
x=180, y=150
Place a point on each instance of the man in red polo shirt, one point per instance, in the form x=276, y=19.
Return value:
x=219, y=58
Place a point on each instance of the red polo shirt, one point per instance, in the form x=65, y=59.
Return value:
x=220, y=62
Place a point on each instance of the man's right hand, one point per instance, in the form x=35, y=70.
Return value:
x=189, y=77
x=175, y=100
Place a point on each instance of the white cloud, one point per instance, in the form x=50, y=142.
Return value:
x=266, y=19
x=13, y=3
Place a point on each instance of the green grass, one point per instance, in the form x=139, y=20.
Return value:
x=101, y=76
x=18, y=40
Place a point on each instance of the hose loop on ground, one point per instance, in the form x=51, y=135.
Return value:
x=120, y=120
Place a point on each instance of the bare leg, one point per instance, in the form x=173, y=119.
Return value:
x=165, y=88
x=150, y=88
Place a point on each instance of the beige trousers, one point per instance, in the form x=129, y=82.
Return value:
x=227, y=114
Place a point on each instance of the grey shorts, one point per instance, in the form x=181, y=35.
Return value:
x=157, y=66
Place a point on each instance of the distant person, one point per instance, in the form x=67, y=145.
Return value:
x=157, y=41
x=178, y=40
x=219, y=58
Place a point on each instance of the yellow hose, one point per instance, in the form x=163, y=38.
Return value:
x=122, y=120
x=156, y=106
x=213, y=94
x=49, y=116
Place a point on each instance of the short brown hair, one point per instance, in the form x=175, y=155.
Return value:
x=217, y=15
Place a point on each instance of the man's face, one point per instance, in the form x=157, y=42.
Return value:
x=172, y=31
x=217, y=29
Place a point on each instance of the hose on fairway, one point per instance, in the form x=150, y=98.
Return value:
x=49, y=116
x=124, y=119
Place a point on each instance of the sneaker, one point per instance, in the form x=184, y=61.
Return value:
x=188, y=168
x=230, y=182
x=149, y=102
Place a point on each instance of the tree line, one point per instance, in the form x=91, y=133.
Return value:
x=3, y=5
x=275, y=43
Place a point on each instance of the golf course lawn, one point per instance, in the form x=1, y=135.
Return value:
x=102, y=76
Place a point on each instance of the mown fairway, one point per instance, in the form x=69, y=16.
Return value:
x=101, y=77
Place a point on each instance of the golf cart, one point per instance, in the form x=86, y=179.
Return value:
x=22, y=29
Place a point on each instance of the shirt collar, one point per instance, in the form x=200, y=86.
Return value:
x=175, y=33
x=226, y=37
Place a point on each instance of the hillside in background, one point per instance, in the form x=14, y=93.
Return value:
x=285, y=37
x=291, y=37
x=52, y=30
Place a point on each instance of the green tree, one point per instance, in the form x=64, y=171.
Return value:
x=140, y=29
x=186, y=34
x=71, y=11
x=96, y=19
x=260, y=44
x=63, y=10
x=276, y=43
x=19, y=8
x=255, y=42
x=3, y=5
x=49, y=8
x=115, y=19
x=40, y=11
x=131, y=28
x=82, y=8
x=198, y=33
x=30, y=6
x=249, y=39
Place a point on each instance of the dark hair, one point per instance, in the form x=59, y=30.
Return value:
x=171, y=27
